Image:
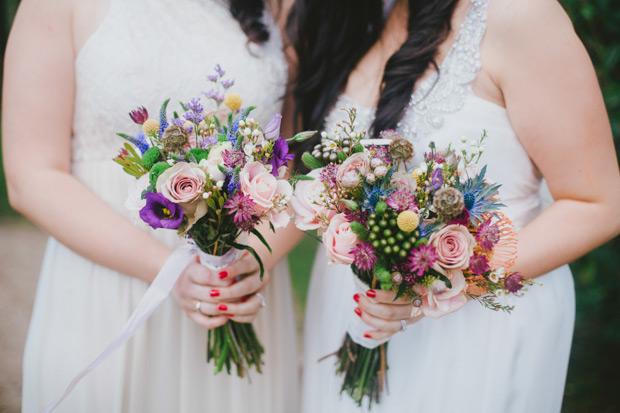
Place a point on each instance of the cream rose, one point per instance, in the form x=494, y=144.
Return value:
x=404, y=181
x=358, y=163
x=310, y=212
x=339, y=240
x=454, y=245
x=439, y=300
x=183, y=184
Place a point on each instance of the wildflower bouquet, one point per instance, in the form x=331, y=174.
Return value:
x=212, y=175
x=432, y=234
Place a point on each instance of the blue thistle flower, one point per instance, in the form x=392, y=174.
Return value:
x=478, y=196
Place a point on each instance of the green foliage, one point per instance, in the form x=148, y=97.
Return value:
x=157, y=170
x=150, y=157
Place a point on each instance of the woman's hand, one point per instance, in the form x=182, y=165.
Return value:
x=379, y=310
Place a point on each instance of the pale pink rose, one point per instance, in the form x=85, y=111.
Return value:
x=404, y=181
x=381, y=171
x=339, y=240
x=310, y=211
x=439, y=300
x=454, y=245
x=358, y=163
x=266, y=190
x=279, y=216
x=351, y=179
x=184, y=182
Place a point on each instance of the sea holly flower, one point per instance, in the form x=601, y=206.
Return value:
x=159, y=212
x=241, y=206
x=364, y=256
x=422, y=259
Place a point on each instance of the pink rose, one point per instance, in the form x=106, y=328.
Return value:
x=310, y=211
x=454, y=245
x=182, y=183
x=404, y=180
x=351, y=179
x=339, y=240
x=439, y=300
x=266, y=190
x=358, y=163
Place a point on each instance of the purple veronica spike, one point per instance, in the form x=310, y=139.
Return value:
x=159, y=212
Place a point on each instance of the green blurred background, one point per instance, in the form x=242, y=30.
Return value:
x=594, y=371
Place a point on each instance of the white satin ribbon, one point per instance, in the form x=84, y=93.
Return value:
x=154, y=296
x=357, y=327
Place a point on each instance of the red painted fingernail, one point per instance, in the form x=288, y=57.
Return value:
x=197, y=259
x=223, y=274
x=356, y=297
x=367, y=335
x=234, y=281
x=229, y=315
x=244, y=299
x=215, y=293
x=358, y=311
x=371, y=293
x=222, y=307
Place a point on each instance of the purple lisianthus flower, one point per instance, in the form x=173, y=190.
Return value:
x=514, y=282
x=422, y=259
x=401, y=200
x=488, y=235
x=159, y=212
x=479, y=264
x=139, y=115
x=364, y=257
x=241, y=206
x=280, y=155
x=272, y=130
x=436, y=180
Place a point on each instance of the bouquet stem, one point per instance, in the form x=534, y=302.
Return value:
x=234, y=344
x=363, y=370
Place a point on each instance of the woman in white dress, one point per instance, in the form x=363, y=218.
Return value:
x=74, y=69
x=516, y=69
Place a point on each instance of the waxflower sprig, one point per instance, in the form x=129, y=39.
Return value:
x=212, y=173
x=432, y=233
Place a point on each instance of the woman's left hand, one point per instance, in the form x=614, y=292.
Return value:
x=379, y=310
x=243, y=299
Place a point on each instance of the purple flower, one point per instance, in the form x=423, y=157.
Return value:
x=219, y=71
x=422, y=259
x=212, y=78
x=241, y=206
x=364, y=257
x=479, y=264
x=380, y=152
x=228, y=83
x=139, y=115
x=488, y=235
x=279, y=155
x=438, y=158
x=194, y=111
x=233, y=158
x=212, y=94
x=357, y=216
x=328, y=175
x=462, y=219
x=159, y=212
x=514, y=282
x=401, y=200
x=272, y=130
x=436, y=180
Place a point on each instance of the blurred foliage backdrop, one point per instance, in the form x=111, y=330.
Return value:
x=594, y=371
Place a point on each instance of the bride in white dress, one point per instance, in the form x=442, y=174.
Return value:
x=74, y=70
x=516, y=69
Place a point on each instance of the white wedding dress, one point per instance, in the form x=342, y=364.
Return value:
x=474, y=360
x=144, y=52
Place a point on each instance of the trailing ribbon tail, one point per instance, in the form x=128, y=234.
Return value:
x=154, y=296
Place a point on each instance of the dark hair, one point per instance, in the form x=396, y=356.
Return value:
x=330, y=37
x=249, y=14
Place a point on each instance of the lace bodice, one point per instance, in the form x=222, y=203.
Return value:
x=146, y=51
x=444, y=109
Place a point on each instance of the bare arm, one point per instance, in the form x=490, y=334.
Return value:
x=556, y=107
x=36, y=129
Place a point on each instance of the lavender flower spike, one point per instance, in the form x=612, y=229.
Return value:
x=272, y=130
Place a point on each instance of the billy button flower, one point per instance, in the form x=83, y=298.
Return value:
x=233, y=101
x=385, y=236
x=150, y=127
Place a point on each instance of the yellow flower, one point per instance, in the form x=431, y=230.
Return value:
x=150, y=127
x=233, y=101
x=408, y=221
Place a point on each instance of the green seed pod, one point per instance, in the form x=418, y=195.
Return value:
x=407, y=246
x=403, y=254
x=381, y=207
x=416, y=233
x=387, y=232
x=383, y=242
x=395, y=248
x=383, y=223
x=393, y=222
x=371, y=222
x=413, y=240
x=400, y=236
x=373, y=216
x=391, y=241
x=376, y=229
x=382, y=274
x=372, y=236
x=388, y=250
x=386, y=286
x=333, y=157
x=375, y=244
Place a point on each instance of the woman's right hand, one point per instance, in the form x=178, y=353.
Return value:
x=193, y=293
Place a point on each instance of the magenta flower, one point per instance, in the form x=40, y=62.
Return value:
x=422, y=259
x=479, y=264
x=488, y=235
x=364, y=257
x=233, y=158
x=462, y=219
x=514, y=282
x=241, y=206
x=328, y=175
x=402, y=200
x=357, y=216
x=159, y=212
x=280, y=155
x=139, y=115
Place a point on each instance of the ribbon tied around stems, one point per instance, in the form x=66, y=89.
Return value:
x=156, y=293
x=357, y=327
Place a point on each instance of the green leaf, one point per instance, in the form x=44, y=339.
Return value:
x=254, y=254
x=310, y=161
x=261, y=239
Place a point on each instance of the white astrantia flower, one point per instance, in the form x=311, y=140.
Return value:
x=500, y=293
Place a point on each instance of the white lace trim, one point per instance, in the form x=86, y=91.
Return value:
x=441, y=93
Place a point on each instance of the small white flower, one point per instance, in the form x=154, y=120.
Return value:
x=206, y=195
x=242, y=123
x=436, y=166
x=370, y=178
x=220, y=184
x=501, y=272
x=250, y=121
x=423, y=169
x=493, y=277
x=255, y=133
x=246, y=132
x=324, y=135
x=500, y=293
x=170, y=162
x=249, y=149
x=331, y=145
x=269, y=168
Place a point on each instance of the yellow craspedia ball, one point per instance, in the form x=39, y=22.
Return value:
x=233, y=101
x=150, y=127
x=408, y=221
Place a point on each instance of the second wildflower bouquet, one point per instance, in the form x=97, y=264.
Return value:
x=212, y=175
x=432, y=234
